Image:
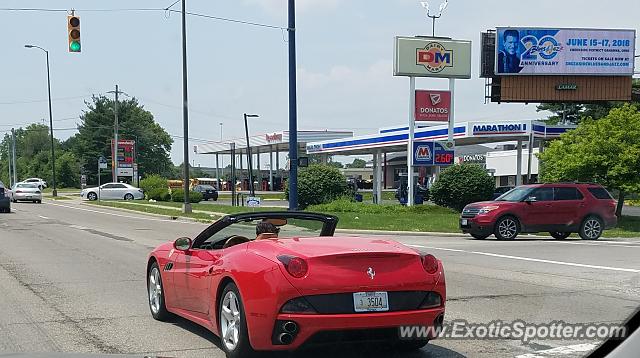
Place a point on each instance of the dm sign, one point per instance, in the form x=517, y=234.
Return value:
x=432, y=57
x=431, y=153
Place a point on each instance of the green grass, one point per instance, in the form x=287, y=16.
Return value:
x=62, y=190
x=360, y=216
x=278, y=196
x=386, y=195
x=393, y=217
x=155, y=210
x=59, y=198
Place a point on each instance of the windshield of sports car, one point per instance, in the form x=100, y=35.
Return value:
x=516, y=194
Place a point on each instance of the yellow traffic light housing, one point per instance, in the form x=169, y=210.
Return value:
x=73, y=26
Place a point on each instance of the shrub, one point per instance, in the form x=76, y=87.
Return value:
x=158, y=194
x=319, y=184
x=177, y=195
x=460, y=185
x=153, y=183
x=345, y=205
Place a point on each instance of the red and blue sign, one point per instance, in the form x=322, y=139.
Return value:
x=431, y=153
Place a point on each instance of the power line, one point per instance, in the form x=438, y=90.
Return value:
x=231, y=20
x=42, y=100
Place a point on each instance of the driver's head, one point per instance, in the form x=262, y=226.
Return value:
x=265, y=227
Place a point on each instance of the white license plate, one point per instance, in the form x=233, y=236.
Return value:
x=370, y=301
x=465, y=221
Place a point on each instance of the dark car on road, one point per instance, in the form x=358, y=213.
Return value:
x=560, y=209
x=5, y=202
x=207, y=191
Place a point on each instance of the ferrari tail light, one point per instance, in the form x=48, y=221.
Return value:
x=430, y=263
x=297, y=305
x=432, y=300
x=295, y=266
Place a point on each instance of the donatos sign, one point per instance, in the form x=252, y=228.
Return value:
x=432, y=57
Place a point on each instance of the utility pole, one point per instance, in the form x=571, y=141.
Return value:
x=13, y=150
x=9, y=160
x=249, y=159
x=115, y=139
x=293, y=114
x=186, y=206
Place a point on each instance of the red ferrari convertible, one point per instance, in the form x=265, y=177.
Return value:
x=295, y=285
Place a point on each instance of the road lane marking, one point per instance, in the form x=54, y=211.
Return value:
x=124, y=216
x=593, y=244
x=565, y=350
x=521, y=258
x=43, y=217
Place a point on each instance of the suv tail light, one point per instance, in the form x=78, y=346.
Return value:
x=430, y=263
x=295, y=266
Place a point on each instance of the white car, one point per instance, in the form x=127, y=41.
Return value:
x=26, y=192
x=113, y=191
x=37, y=181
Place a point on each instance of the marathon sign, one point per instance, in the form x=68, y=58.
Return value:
x=431, y=153
x=271, y=138
x=432, y=106
x=501, y=129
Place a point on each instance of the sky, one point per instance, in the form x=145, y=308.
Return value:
x=344, y=61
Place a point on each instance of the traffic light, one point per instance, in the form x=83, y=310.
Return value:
x=73, y=25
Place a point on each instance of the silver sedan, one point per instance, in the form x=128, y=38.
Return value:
x=113, y=191
x=25, y=192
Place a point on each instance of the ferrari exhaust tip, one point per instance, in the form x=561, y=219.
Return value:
x=285, y=338
x=290, y=327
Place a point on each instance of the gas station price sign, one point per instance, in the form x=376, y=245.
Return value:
x=432, y=153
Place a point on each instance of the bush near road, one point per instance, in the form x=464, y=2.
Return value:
x=462, y=184
x=177, y=196
x=319, y=184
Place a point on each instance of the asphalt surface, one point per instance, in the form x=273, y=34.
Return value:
x=72, y=279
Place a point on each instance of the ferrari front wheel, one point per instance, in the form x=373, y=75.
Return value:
x=233, y=325
x=156, y=294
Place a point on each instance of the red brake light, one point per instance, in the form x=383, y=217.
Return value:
x=430, y=263
x=295, y=266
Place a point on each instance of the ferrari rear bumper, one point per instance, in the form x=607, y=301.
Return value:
x=310, y=328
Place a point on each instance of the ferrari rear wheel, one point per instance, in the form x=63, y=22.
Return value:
x=233, y=325
x=156, y=294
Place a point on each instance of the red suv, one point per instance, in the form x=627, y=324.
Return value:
x=560, y=209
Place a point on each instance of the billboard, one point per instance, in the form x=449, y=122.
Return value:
x=432, y=105
x=431, y=153
x=558, y=51
x=431, y=57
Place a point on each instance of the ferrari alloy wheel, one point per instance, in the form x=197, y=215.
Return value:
x=591, y=228
x=156, y=294
x=507, y=228
x=559, y=235
x=233, y=325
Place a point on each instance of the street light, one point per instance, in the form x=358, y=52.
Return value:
x=53, y=154
x=246, y=131
x=425, y=4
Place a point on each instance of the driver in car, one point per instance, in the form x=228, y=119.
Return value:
x=266, y=230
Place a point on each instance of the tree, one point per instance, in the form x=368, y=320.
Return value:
x=67, y=170
x=606, y=151
x=576, y=112
x=357, y=163
x=319, y=184
x=336, y=164
x=135, y=123
x=462, y=184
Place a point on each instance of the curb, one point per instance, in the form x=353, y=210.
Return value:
x=166, y=217
x=387, y=232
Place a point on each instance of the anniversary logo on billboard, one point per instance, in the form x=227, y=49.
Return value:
x=556, y=51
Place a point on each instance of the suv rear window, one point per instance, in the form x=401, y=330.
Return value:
x=600, y=193
x=567, y=193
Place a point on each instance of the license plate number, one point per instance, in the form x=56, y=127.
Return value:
x=370, y=301
x=464, y=222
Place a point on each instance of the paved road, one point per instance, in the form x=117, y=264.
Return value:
x=72, y=280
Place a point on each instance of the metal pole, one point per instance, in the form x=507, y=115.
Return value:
x=293, y=120
x=186, y=206
x=15, y=172
x=412, y=99
x=529, y=157
x=249, y=161
x=9, y=160
x=98, y=180
x=233, y=174
x=519, y=163
x=53, y=154
x=115, y=139
x=452, y=83
x=270, y=168
x=217, y=173
x=258, y=175
x=433, y=29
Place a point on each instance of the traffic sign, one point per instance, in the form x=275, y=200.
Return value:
x=253, y=202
